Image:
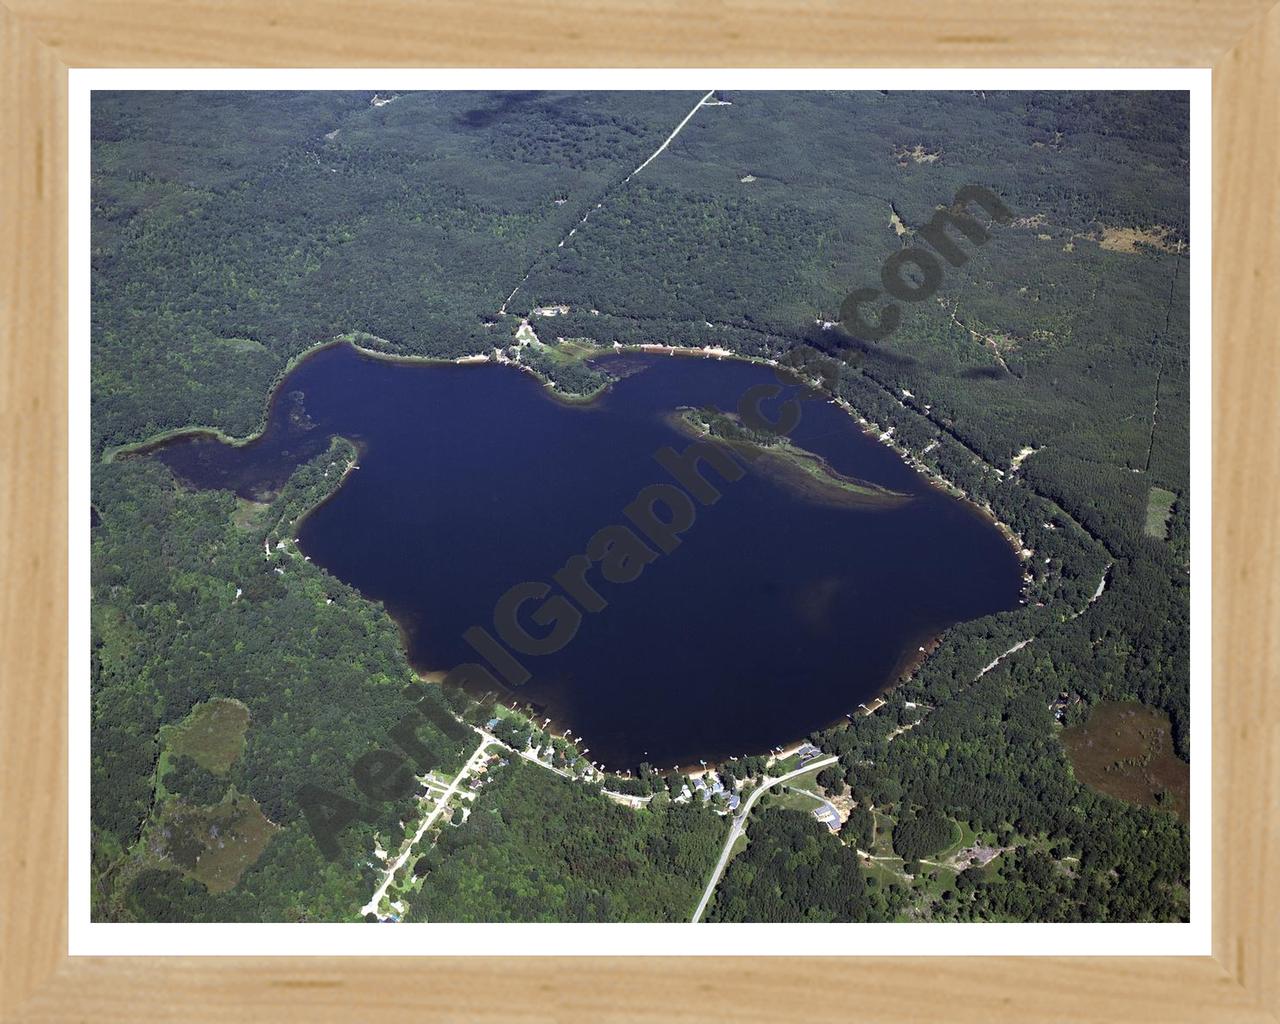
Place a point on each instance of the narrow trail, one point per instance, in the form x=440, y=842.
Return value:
x=1155, y=407
x=1012, y=650
x=687, y=117
x=1102, y=585
x=539, y=261
x=987, y=341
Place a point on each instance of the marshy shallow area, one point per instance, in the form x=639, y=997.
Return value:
x=1126, y=750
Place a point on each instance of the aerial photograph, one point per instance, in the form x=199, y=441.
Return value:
x=640, y=506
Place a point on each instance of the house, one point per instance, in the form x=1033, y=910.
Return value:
x=1063, y=704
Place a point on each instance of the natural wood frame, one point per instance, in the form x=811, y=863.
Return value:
x=40, y=39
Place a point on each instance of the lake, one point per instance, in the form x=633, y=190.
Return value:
x=777, y=613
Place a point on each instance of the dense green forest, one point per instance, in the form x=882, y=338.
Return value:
x=188, y=605
x=234, y=231
x=540, y=848
x=792, y=871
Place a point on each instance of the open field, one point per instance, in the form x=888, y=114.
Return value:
x=1159, y=506
x=216, y=844
x=794, y=800
x=212, y=735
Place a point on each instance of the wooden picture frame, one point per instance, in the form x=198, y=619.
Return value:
x=42, y=39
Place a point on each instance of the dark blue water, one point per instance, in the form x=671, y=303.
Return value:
x=773, y=617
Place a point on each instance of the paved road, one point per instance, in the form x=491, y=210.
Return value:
x=473, y=762
x=523, y=753
x=740, y=821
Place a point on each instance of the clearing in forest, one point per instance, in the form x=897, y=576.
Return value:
x=1159, y=506
x=212, y=735
x=1128, y=239
x=214, y=844
x=1125, y=750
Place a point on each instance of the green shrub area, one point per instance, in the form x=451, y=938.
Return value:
x=320, y=670
x=286, y=219
x=922, y=834
x=537, y=847
x=792, y=869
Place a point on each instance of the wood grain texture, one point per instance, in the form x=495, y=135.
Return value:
x=33, y=510
x=1246, y=548
x=40, y=38
x=657, y=33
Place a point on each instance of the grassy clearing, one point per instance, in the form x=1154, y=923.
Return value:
x=929, y=888
x=809, y=780
x=571, y=350
x=965, y=836
x=793, y=800
x=217, y=844
x=883, y=844
x=1118, y=239
x=787, y=764
x=739, y=845
x=1159, y=507
x=248, y=513
x=212, y=735
x=887, y=873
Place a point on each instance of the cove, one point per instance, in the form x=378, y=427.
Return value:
x=778, y=612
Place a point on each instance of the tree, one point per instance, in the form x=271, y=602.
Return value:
x=918, y=835
x=830, y=779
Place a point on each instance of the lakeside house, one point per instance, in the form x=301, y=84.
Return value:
x=807, y=753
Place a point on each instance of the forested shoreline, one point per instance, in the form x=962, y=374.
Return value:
x=234, y=233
